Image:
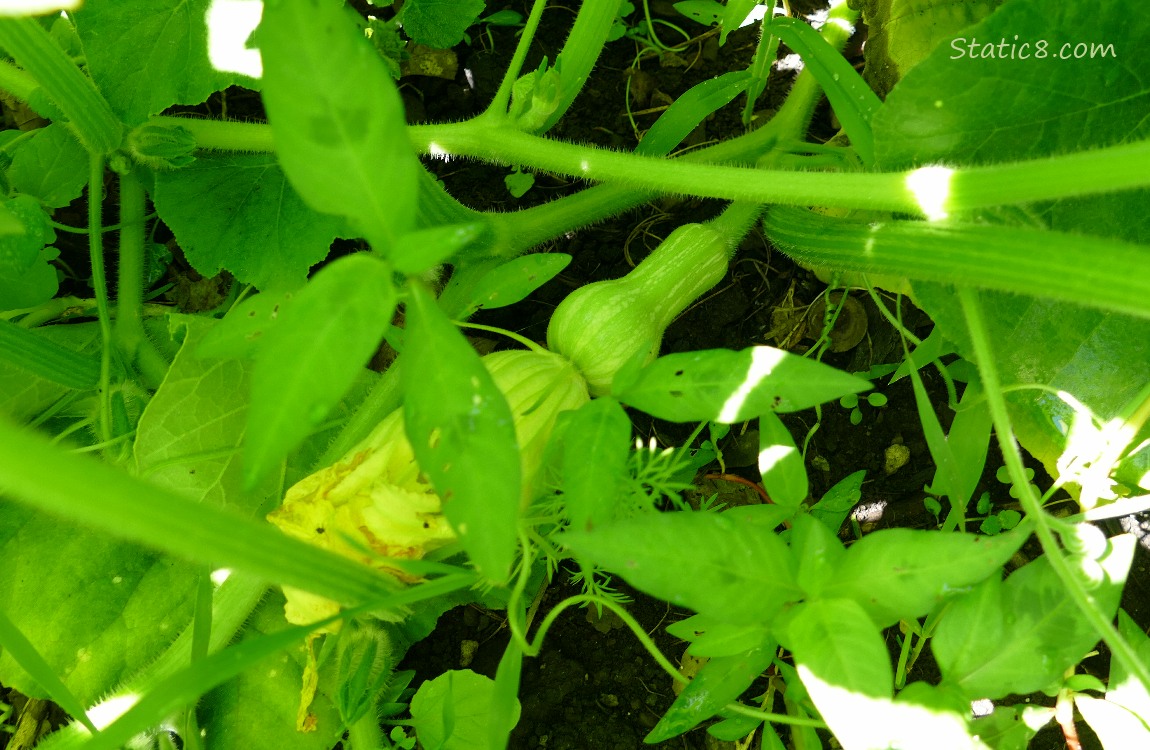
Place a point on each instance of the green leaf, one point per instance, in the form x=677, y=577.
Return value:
x=819, y=553
x=895, y=574
x=122, y=604
x=721, y=681
x=512, y=281
x=337, y=118
x=23, y=396
x=706, y=12
x=461, y=430
x=705, y=561
x=780, y=463
x=257, y=708
x=244, y=328
x=691, y=108
x=720, y=385
x=452, y=711
x=146, y=55
x=310, y=358
x=843, y=663
x=712, y=636
x=1022, y=635
x=26, y=278
x=40, y=357
x=439, y=23
x=1101, y=359
x=238, y=212
x=853, y=101
x=51, y=166
x=188, y=437
x=422, y=250
x=839, y=501
x=1003, y=108
x=595, y=446
x=734, y=14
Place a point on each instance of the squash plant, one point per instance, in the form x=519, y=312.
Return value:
x=162, y=472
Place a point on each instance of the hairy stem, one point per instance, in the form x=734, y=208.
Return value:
x=129, y=331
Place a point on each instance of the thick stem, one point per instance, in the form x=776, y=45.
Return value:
x=129, y=330
x=17, y=82
x=1097, y=171
x=734, y=223
x=100, y=286
x=89, y=115
x=366, y=734
x=224, y=135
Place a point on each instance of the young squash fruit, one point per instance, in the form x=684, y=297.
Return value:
x=604, y=324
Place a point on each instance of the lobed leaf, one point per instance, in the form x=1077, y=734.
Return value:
x=239, y=213
x=146, y=55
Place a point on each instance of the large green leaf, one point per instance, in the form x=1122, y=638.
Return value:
x=24, y=395
x=729, y=566
x=238, y=213
x=1002, y=108
x=721, y=385
x=146, y=55
x=52, y=166
x=306, y=362
x=258, y=708
x=1022, y=635
x=958, y=110
x=895, y=574
x=462, y=432
x=337, y=117
x=96, y=608
x=188, y=438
